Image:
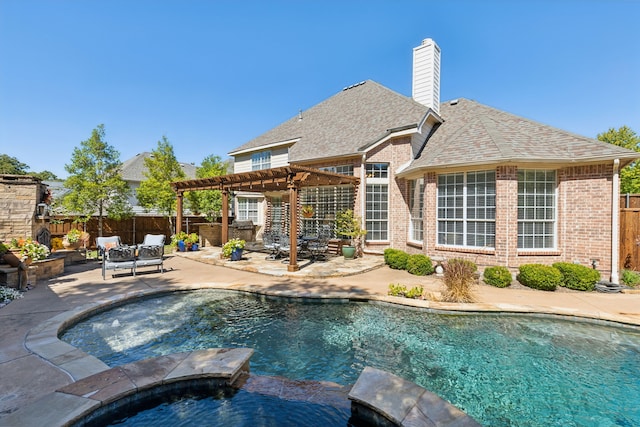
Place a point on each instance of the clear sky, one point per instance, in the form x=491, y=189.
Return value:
x=211, y=75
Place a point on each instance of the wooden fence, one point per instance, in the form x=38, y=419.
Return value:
x=630, y=232
x=131, y=231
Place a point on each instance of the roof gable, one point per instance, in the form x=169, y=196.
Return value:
x=133, y=168
x=355, y=117
x=473, y=133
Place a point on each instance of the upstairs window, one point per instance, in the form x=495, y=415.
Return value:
x=261, y=160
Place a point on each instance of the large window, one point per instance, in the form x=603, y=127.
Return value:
x=326, y=201
x=377, y=201
x=248, y=208
x=416, y=206
x=536, y=209
x=467, y=209
x=261, y=160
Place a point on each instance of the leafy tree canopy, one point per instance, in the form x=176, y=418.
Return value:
x=95, y=183
x=12, y=166
x=626, y=138
x=45, y=175
x=162, y=168
x=208, y=202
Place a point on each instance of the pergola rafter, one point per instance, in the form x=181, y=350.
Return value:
x=290, y=178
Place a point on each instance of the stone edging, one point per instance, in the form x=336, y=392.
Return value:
x=75, y=403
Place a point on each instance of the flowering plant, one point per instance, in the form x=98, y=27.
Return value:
x=231, y=246
x=307, y=211
x=73, y=235
x=30, y=249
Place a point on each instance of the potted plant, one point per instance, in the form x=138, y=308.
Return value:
x=74, y=239
x=3, y=250
x=348, y=225
x=28, y=250
x=192, y=242
x=233, y=249
x=307, y=211
x=178, y=241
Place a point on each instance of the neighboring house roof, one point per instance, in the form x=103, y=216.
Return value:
x=344, y=124
x=133, y=168
x=473, y=133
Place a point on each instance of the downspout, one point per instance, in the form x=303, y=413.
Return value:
x=615, y=222
x=363, y=189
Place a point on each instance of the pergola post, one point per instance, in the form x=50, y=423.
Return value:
x=179, y=212
x=225, y=217
x=293, y=227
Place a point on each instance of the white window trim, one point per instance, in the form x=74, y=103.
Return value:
x=555, y=220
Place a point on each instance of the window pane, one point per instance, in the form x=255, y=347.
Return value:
x=536, y=209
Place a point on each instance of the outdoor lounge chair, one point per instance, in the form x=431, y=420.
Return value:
x=116, y=256
x=151, y=252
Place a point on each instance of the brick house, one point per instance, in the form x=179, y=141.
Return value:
x=452, y=179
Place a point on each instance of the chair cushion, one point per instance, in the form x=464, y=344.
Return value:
x=150, y=252
x=122, y=253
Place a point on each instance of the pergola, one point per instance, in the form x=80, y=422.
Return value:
x=289, y=178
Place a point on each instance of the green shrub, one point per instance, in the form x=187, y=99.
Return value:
x=498, y=276
x=419, y=265
x=630, y=278
x=396, y=259
x=397, y=290
x=578, y=277
x=459, y=277
x=539, y=276
x=415, y=292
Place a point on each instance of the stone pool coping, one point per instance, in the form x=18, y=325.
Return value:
x=43, y=339
x=75, y=403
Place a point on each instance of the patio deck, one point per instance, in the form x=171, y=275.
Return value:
x=27, y=376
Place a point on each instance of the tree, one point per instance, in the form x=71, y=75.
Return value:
x=45, y=175
x=626, y=138
x=208, y=202
x=12, y=166
x=95, y=184
x=161, y=169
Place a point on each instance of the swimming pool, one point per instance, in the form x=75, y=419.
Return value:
x=501, y=369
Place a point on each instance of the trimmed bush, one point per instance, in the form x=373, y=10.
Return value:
x=419, y=265
x=498, y=276
x=578, y=277
x=630, y=278
x=539, y=276
x=459, y=277
x=396, y=259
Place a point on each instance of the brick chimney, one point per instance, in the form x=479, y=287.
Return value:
x=426, y=74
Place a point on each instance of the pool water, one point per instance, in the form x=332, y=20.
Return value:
x=502, y=370
x=240, y=409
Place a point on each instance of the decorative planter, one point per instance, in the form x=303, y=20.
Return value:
x=181, y=246
x=236, y=255
x=349, y=252
x=72, y=246
x=194, y=246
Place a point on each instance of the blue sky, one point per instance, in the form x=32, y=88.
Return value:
x=211, y=75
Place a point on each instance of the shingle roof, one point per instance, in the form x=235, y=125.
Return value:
x=353, y=118
x=473, y=133
x=133, y=168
